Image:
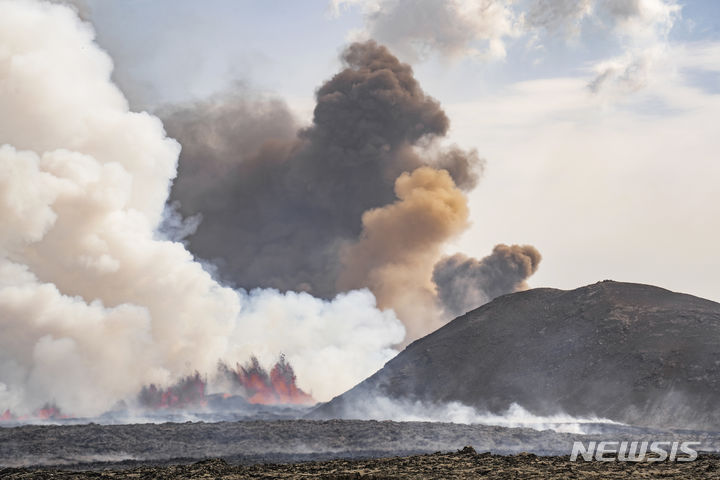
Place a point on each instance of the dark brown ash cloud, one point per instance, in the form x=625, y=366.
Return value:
x=465, y=283
x=296, y=208
x=277, y=206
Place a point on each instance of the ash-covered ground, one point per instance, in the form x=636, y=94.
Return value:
x=98, y=447
x=463, y=464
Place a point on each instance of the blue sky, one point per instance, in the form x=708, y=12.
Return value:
x=181, y=48
x=618, y=183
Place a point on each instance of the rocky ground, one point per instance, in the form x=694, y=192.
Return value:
x=325, y=449
x=464, y=464
x=95, y=446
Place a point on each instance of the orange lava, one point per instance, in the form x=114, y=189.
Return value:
x=190, y=391
x=48, y=412
x=277, y=388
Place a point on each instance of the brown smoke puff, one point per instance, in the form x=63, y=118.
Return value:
x=402, y=241
x=466, y=283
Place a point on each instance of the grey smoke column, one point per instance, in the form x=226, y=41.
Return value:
x=277, y=206
x=466, y=283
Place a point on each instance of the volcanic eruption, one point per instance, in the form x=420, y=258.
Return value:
x=84, y=256
x=366, y=196
x=250, y=382
x=95, y=302
x=230, y=275
x=276, y=387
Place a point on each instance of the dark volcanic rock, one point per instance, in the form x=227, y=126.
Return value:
x=629, y=352
x=464, y=464
x=120, y=447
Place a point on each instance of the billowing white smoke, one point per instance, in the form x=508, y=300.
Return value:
x=92, y=304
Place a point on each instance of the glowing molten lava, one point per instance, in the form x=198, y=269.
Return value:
x=48, y=412
x=251, y=381
x=278, y=387
x=190, y=391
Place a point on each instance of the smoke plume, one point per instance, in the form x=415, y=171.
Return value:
x=278, y=208
x=402, y=241
x=92, y=304
x=99, y=297
x=365, y=197
x=81, y=7
x=465, y=283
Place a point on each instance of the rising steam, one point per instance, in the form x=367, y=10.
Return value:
x=92, y=305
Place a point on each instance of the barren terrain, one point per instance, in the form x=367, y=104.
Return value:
x=266, y=449
x=463, y=464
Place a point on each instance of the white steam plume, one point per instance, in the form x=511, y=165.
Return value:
x=92, y=304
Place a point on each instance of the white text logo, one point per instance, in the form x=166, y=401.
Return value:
x=634, y=451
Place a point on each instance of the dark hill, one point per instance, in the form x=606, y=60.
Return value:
x=629, y=352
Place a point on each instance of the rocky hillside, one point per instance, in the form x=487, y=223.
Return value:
x=629, y=352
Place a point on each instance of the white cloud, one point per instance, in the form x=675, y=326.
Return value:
x=416, y=29
x=483, y=29
x=642, y=27
x=626, y=74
